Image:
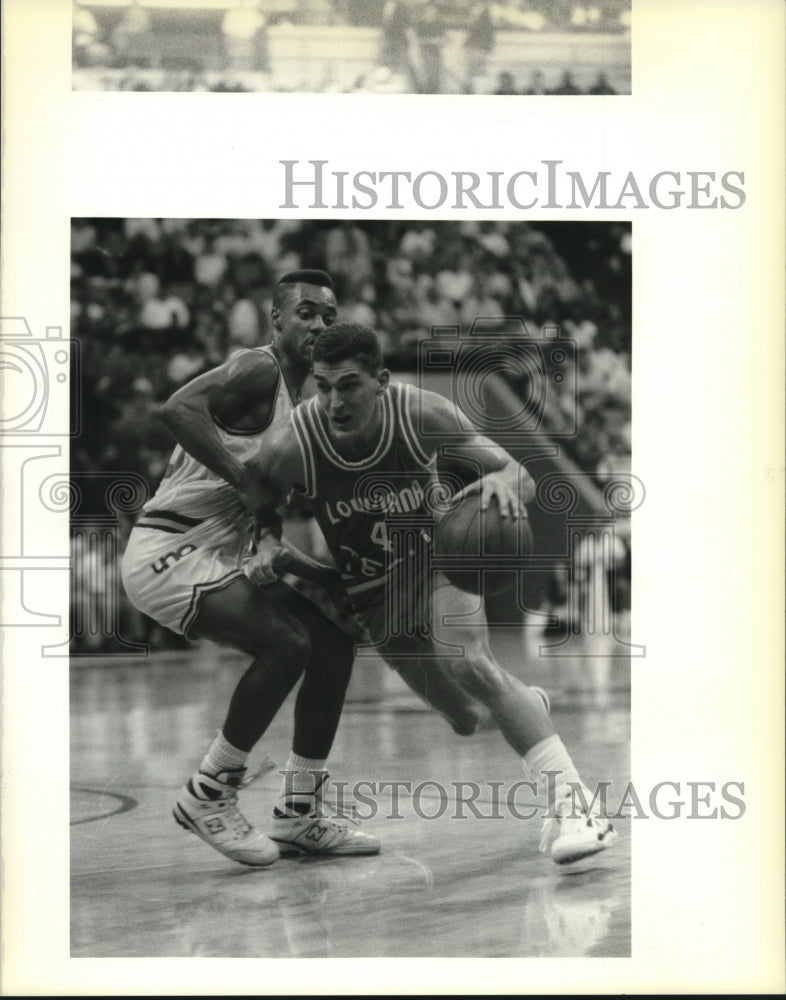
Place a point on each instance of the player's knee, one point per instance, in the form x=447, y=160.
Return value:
x=294, y=644
x=467, y=723
x=333, y=658
x=287, y=641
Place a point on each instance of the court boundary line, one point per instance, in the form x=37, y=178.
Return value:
x=126, y=804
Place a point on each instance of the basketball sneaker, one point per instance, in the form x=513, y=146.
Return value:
x=580, y=833
x=207, y=806
x=302, y=825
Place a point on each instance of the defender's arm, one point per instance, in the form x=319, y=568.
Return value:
x=228, y=393
x=276, y=472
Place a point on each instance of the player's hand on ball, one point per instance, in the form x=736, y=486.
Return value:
x=504, y=485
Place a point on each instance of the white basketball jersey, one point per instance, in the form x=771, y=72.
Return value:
x=190, y=490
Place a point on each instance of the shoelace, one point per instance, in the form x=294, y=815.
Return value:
x=240, y=825
x=266, y=766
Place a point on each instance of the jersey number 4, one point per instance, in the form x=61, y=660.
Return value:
x=379, y=536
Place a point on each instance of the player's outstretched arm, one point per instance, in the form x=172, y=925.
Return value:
x=228, y=393
x=502, y=476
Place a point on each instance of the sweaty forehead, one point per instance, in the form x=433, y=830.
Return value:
x=319, y=294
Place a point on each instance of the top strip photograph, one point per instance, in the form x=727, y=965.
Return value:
x=511, y=47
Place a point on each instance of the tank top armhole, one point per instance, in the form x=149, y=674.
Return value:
x=306, y=452
x=404, y=402
x=254, y=431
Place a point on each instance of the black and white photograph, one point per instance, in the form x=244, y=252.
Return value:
x=512, y=47
x=391, y=583
x=457, y=594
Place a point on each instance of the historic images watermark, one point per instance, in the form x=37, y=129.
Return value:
x=547, y=184
x=431, y=799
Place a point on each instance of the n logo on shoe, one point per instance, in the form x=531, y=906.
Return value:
x=162, y=564
x=215, y=824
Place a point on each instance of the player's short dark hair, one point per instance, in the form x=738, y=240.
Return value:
x=349, y=341
x=303, y=277
x=307, y=277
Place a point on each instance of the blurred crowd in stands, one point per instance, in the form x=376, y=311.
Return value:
x=228, y=47
x=156, y=302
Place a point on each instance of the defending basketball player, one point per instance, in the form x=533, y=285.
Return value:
x=183, y=566
x=364, y=451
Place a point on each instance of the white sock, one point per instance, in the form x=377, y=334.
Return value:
x=302, y=778
x=550, y=760
x=222, y=756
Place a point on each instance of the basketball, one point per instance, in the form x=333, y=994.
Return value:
x=479, y=550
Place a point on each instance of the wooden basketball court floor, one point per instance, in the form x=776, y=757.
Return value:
x=474, y=886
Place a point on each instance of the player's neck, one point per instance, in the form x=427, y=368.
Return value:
x=294, y=375
x=363, y=444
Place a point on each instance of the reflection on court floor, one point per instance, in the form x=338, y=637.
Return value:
x=471, y=886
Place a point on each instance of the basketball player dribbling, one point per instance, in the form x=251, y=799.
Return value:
x=361, y=429
x=183, y=567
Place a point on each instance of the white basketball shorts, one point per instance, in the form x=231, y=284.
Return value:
x=172, y=561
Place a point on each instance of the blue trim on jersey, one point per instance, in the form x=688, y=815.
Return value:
x=403, y=402
x=300, y=427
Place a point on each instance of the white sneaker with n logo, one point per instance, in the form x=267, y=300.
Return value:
x=207, y=806
x=316, y=832
x=581, y=832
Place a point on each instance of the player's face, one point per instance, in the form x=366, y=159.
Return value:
x=307, y=312
x=349, y=397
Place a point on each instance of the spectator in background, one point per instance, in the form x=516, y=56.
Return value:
x=87, y=46
x=615, y=462
x=506, y=84
x=210, y=266
x=160, y=310
x=140, y=441
x=315, y=12
x=185, y=365
x=245, y=38
x=566, y=85
x=131, y=38
x=480, y=302
x=347, y=256
x=518, y=15
x=478, y=45
x=395, y=39
x=243, y=323
x=430, y=31
x=537, y=85
x=601, y=85
x=358, y=302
